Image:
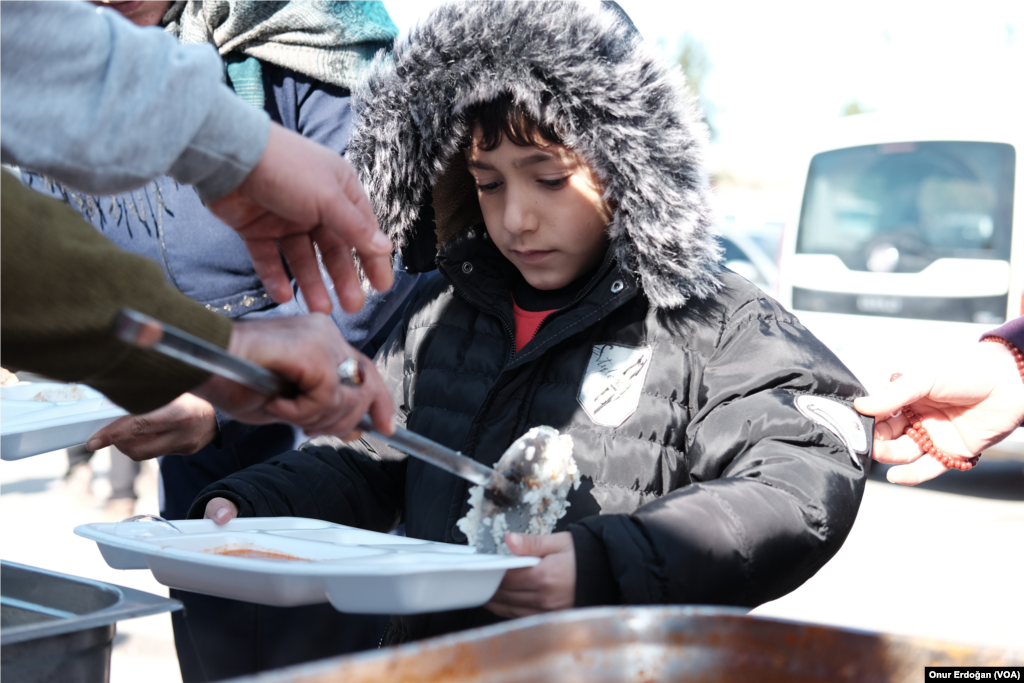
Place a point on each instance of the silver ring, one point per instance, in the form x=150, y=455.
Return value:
x=350, y=373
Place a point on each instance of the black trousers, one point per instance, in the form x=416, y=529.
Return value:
x=217, y=638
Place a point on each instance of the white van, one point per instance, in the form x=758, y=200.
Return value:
x=904, y=247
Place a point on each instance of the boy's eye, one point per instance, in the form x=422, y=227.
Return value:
x=554, y=184
x=489, y=187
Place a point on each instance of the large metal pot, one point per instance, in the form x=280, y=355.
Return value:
x=648, y=644
x=56, y=628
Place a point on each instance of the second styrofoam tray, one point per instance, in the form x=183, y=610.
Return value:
x=29, y=427
x=356, y=570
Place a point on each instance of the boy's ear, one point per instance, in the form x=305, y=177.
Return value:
x=456, y=206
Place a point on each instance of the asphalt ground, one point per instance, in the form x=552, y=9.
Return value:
x=944, y=560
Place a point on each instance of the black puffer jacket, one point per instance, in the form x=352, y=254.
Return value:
x=716, y=490
x=720, y=459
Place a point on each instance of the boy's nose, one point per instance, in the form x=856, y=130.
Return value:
x=518, y=214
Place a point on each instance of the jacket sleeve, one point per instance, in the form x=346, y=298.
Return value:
x=104, y=106
x=773, y=493
x=325, y=479
x=360, y=484
x=63, y=283
x=1013, y=332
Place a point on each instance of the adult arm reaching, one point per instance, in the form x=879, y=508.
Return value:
x=966, y=405
x=302, y=196
x=63, y=58
x=63, y=283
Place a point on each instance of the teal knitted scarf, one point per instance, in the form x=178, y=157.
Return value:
x=329, y=41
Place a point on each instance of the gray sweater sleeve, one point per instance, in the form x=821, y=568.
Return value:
x=104, y=106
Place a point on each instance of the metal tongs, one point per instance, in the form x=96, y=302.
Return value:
x=144, y=332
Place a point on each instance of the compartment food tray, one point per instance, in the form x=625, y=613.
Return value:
x=30, y=427
x=356, y=570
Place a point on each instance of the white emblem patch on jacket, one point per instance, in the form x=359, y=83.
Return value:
x=610, y=391
x=838, y=419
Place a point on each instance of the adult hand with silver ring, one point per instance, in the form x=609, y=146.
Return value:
x=307, y=351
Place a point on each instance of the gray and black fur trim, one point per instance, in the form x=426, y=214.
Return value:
x=574, y=66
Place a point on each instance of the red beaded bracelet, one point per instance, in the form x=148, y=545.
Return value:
x=917, y=432
x=1018, y=357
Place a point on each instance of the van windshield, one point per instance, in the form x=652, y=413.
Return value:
x=898, y=207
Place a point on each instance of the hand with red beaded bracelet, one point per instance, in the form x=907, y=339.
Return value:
x=930, y=421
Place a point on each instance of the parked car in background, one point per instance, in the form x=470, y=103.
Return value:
x=904, y=248
x=744, y=257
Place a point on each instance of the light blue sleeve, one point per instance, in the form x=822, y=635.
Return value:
x=104, y=106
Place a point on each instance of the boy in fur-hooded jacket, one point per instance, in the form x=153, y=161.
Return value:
x=549, y=167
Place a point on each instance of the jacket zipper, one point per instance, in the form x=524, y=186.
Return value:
x=508, y=328
x=584, y=293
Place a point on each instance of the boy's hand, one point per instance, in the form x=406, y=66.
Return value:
x=548, y=586
x=220, y=510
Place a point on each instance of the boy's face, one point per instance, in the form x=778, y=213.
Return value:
x=543, y=209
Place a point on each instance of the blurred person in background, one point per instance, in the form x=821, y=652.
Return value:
x=122, y=475
x=296, y=61
x=967, y=405
x=123, y=472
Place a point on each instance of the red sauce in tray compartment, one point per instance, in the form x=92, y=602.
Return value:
x=254, y=553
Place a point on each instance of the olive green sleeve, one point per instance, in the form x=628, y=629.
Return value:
x=61, y=285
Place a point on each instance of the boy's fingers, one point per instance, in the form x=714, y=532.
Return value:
x=522, y=579
x=220, y=510
x=531, y=545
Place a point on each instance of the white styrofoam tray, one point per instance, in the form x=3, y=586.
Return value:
x=356, y=570
x=30, y=427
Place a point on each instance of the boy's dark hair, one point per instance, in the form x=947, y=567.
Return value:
x=502, y=118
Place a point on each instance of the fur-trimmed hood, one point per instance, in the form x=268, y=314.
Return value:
x=577, y=67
